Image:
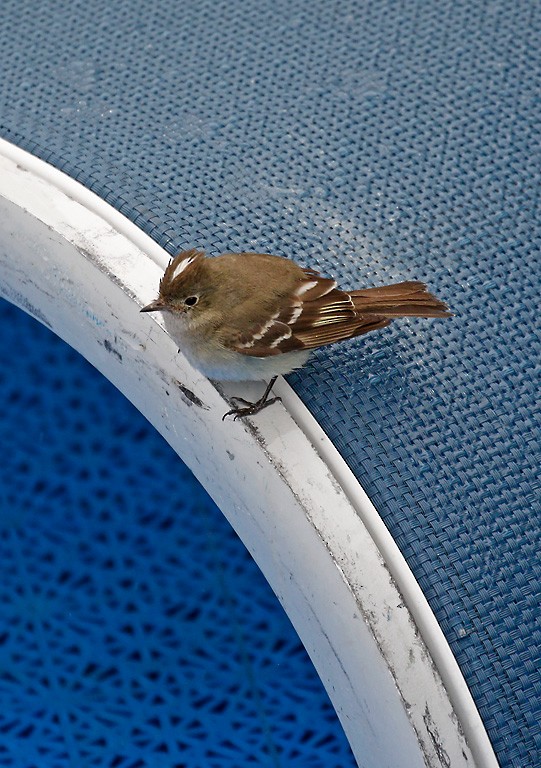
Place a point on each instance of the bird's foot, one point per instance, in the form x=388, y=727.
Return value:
x=250, y=409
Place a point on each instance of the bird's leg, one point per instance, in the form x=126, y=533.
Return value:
x=252, y=408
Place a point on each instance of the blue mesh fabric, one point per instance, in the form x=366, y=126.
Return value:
x=376, y=141
x=128, y=638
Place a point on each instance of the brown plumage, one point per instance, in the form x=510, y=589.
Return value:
x=251, y=315
x=329, y=315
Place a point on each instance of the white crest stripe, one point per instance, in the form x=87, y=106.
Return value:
x=181, y=266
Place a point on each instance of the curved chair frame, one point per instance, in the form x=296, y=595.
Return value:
x=84, y=270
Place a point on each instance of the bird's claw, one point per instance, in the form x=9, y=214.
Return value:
x=250, y=409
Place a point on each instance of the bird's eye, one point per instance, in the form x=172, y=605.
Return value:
x=191, y=301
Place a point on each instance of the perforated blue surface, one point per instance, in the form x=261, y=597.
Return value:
x=375, y=141
x=127, y=635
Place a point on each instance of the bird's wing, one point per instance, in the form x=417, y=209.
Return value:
x=316, y=313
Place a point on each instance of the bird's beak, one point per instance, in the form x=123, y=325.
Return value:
x=154, y=306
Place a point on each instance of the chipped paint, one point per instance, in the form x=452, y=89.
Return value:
x=191, y=397
x=110, y=348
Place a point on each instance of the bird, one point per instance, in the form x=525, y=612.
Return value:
x=255, y=316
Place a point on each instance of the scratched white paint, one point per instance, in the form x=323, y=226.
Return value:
x=82, y=269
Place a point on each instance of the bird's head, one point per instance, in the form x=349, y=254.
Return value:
x=184, y=287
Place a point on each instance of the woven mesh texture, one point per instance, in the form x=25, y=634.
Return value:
x=127, y=635
x=376, y=141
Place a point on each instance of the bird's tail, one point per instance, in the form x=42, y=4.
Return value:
x=409, y=299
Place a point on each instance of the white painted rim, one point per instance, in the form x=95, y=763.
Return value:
x=318, y=539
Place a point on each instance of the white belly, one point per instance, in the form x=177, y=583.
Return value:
x=222, y=364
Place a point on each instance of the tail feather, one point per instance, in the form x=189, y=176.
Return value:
x=408, y=299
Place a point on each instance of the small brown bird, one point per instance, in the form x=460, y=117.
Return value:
x=253, y=316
